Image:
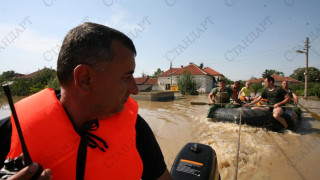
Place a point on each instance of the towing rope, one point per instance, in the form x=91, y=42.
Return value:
x=237, y=159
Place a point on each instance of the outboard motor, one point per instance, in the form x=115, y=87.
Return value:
x=195, y=161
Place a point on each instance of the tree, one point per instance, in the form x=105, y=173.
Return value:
x=8, y=75
x=157, y=72
x=143, y=74
x=54, y=84
x=44, y=76
x=20, y=87
x=188, y=84
x=41, y=80
x=313, y=74
x=201, y=65
x=269, y=72
x=257, y=87
x=227, y=81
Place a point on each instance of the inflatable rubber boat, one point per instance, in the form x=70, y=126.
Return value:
x=257, y=118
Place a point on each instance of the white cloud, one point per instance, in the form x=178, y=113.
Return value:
x=117, y=21
x=27, y=40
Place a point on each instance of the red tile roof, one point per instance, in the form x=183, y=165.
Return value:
x=146, y=81
x=168, y=72
x=212, y=72
x=192, y=69
x=276, y=79
x=280, y=78
x=255, y=80
x=31, y=75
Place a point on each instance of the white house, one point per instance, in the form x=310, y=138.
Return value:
x=206, y=76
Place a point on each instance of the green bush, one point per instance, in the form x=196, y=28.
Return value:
x=295, y=87
x=299, y=92
x=314, y=90
x=257, y=87
x=188, y=85
x=20, y=87
x=54, y=84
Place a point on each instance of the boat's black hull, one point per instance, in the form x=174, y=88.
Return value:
x=257, y=118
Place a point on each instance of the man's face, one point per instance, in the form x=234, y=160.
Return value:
x=221, y=84
x=247, y=85
x=285, y=84
x=115, y=82
x=267, y=83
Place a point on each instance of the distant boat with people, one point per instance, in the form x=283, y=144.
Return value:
x=258, y=118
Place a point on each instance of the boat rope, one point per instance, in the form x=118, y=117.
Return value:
x=238, y=150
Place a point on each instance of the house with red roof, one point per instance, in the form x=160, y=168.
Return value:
x=277, y=80
x=36, y=73
x=206, y=76
x=147, y=83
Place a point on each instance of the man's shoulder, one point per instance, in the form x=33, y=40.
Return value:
x=290, y=90
x=229, y=90
x=278, y=88
x=215, y=89
x=265, y=91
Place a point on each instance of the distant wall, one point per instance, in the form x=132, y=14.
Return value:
x=154, y=96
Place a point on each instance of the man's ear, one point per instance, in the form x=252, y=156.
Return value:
x=83, y=77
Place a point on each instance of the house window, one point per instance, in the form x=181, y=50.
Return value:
x=167, y=86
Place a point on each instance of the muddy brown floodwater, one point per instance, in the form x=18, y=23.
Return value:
x=264, y=155
x=293, y=155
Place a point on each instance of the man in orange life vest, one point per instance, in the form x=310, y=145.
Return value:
x=91, y=129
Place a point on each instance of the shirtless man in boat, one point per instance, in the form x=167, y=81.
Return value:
x=277, y=97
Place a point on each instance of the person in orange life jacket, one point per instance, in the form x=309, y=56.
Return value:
x=235, y=89
x=285, y=86
x=276, y=96
x=95, y=70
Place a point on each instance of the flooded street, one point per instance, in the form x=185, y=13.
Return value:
x=263, y=154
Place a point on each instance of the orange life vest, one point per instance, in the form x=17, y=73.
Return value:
x=52, y=141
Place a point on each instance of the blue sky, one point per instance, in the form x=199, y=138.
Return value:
x=238, y=38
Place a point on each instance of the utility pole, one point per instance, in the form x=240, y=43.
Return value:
x=171, y=71
x=306, y=71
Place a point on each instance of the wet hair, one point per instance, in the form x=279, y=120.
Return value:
x=89, y=44
x=269, y=78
